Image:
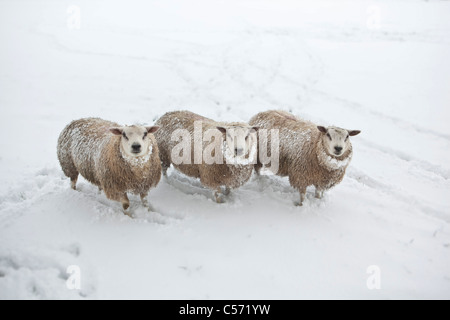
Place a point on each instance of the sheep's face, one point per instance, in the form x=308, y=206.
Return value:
x=135, y=141
x=239, y=140
x=336, y=140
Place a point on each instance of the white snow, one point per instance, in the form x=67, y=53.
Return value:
x=132, y=61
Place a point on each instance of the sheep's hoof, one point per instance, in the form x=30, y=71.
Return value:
x=298, y=204
x=128, y=213
x=218, y=195
x=220, y=199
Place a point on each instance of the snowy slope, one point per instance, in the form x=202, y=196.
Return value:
x=228, y=60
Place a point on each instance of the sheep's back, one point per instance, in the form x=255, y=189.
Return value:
x=172, y=121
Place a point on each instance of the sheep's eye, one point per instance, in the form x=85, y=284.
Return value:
x=347, y=138
x=246, y=138
x=124, y=135
x=145, y=135
x=328, y=135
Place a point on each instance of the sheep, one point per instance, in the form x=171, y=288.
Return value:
x=308, y=154
x=234, y=155
x=119, y=160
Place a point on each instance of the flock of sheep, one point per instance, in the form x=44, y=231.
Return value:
x=131, y=159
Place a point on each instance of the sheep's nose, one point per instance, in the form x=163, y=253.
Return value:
x=338, y=149
x=136, y=147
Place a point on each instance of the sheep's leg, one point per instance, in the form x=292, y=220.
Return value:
x=165, y=163
x=125, y=204
x=145, y=203
x=219, y=196
x=164, y=170
x=144, y=200
x=319, y=193
x=73, y=182
x=258, y=168
x=302, y=197
x=226, y=191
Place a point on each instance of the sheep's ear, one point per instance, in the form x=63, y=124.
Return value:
x=152, y=129
x=222, y=129
x=354, y=132
x=116, y=131
x=322, y=129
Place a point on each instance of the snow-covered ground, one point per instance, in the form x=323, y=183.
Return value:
x=379, y=66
